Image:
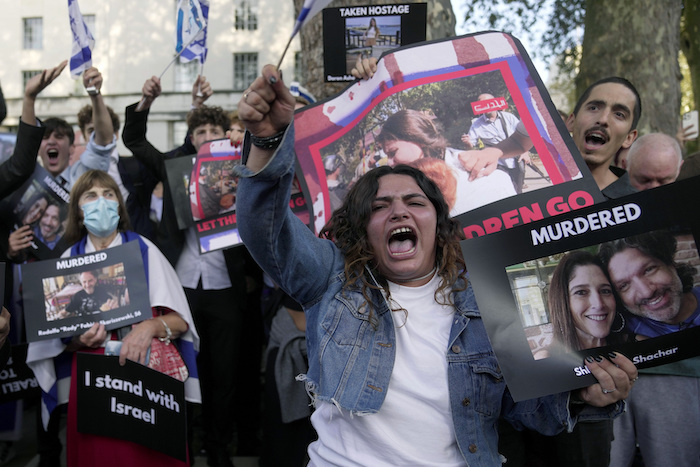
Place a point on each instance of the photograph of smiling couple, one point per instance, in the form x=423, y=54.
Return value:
x=425, y=127
x=624, y=290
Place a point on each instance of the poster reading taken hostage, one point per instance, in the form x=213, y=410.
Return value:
x=131, y=402
x=367, y=30
x=65, y=297
x=204, y=194
x=42, y=204
x=430, y=92
x=547, y=305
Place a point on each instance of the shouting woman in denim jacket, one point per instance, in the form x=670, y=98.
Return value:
x=401, y=371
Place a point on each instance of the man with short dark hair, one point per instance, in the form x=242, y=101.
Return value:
x=57, y=146
x=604, y=120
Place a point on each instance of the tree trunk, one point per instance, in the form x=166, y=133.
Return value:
x=639, y=41
x=690, y=46
x=441, y=23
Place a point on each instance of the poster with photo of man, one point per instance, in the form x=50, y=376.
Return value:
x=367, y=31
x=620, y=276
x=42, y=204
x=418, y=109
x=65, y=297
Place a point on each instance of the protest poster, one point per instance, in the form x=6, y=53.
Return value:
x=368, y=31
x=131, y=402
x=65, y=297
x=203, y=189
x=17, y=381
x=41, y=203
x=428, y=92
x=547, y=305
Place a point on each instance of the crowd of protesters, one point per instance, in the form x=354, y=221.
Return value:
x=225, y=305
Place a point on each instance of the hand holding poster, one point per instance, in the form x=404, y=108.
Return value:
x=618, y=276
x=65, y=297
x=38, y=211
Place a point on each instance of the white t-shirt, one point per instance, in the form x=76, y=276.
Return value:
x=414, y=424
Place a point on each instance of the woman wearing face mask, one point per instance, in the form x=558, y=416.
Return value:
x=97, y=220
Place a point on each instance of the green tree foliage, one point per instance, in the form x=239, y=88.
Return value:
x=565, y=20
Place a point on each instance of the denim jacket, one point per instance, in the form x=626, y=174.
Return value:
x=350, y=355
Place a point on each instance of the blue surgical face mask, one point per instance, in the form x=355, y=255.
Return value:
x=101, y=217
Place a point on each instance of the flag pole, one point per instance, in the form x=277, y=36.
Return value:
x=201, y=72
x=285, y=52
x=143, y=100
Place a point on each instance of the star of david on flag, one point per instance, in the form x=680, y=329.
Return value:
x=191, y=33
x=83, y=41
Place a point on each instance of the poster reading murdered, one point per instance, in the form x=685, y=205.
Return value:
x=423, y=108
x=367, y=31
x=42, y=205
x=618, y=276
x=131, y=402
x=65, y=297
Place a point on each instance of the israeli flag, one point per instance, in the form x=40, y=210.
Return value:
x=83, y=41
x=308, y=11
x=191, y=34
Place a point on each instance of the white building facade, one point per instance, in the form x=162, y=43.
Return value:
x=134, y=40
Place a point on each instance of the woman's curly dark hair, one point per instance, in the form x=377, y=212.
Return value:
x=347, y=228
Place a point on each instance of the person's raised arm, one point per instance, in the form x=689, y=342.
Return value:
x=35, y=85
x=266, y=109
x=201, y=91
x=104, y=132
x=149, y=93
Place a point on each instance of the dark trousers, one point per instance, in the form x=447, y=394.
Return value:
x=218, y=318
x=284, y=444
x=587, y=446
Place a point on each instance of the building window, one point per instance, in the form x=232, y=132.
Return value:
x=91, y=23
x=27, y=75
x=178, y=130
x=186, y=75
x=245, y=17
x=33, y=33
x=245, y=70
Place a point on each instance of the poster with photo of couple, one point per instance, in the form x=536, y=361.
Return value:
x=66, y=296
x=42, y=204
x=416, y=110
x=620, y=276
x=203, y=189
